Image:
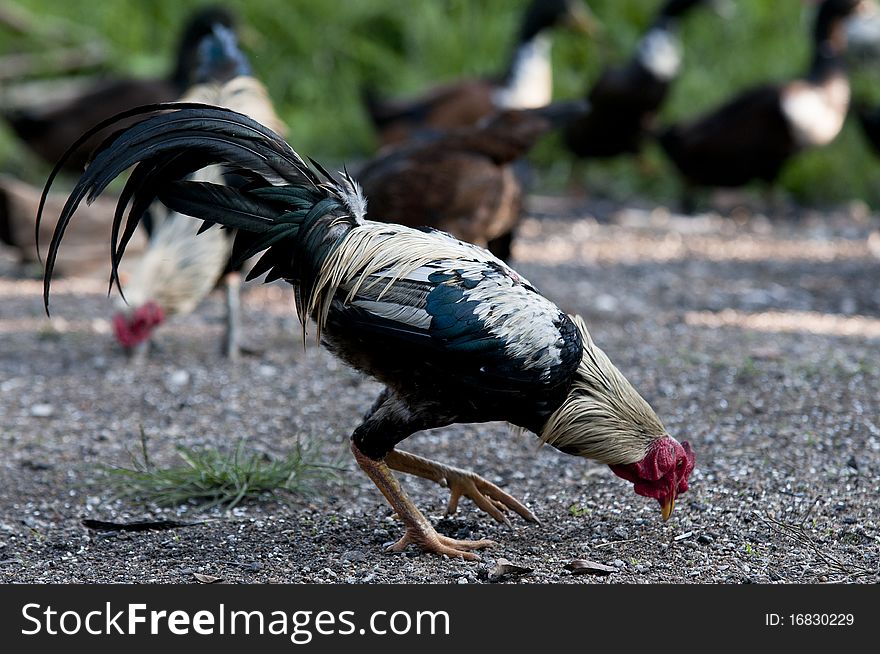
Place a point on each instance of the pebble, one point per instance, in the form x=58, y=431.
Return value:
x=606, y=303
x=178, y=378
x=42, y=410
x=621, y=533
x=353, y=555
x=705, y=539
x=9, y=385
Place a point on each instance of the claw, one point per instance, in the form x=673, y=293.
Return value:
x=418, y=529
x=486, y=495
x=432, y=542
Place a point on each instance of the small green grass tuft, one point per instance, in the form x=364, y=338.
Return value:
x=579, y=511
x=748, y=370
x=210, y=477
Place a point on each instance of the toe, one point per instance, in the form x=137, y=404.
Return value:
x=465, y=544
x=463, y=554
x=452, y=505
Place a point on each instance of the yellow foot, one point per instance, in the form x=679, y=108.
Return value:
x=428, y=540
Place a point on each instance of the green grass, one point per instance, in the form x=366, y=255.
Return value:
x=314, y=57
x=747, y=370
x=209, y=477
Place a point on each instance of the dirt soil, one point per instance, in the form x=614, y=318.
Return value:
x=756, y=339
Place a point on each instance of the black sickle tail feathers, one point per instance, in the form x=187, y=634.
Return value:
x=173, y=141
x=263, y=216
x=293, y=225
x=297, y=227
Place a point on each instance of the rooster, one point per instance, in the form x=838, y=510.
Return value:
x=461, y=181
x=181, y=267
x=453, y=332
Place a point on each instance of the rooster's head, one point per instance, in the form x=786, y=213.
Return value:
x=135, y=326
x=662, y=474
x=604, y=418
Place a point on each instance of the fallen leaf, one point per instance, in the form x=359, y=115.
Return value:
x=586, y=567
x=206, y=579
x=504, y=568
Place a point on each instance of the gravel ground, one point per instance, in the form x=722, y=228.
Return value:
x=755, y=339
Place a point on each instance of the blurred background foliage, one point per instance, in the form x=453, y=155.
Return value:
x=315, y=55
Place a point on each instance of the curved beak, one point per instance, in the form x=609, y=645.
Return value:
x=667, y=507
x=581, y=19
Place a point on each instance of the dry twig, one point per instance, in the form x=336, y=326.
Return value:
x=799, y=534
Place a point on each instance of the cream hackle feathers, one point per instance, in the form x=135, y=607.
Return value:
x=364, y=255
x=603, y=418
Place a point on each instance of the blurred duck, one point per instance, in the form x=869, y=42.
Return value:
x=625, y=99
x=181, y=267
x=461, y=181
x=869, y=119
x=752, y=136
x=49, y=131
x=527, y=83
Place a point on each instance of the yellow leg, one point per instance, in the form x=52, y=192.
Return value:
x=231, y=338
x=418, y=530
x=484, y=494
